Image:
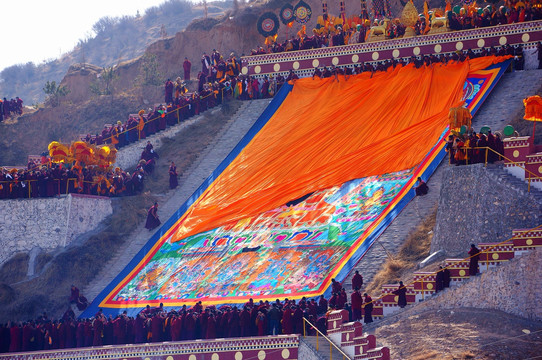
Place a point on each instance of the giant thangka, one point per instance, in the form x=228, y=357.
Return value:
x=307, y=191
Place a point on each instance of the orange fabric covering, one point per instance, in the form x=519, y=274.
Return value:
x=327, y=132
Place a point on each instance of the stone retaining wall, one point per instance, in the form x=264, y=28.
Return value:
x=48, y=223
x=474, y=207
x=513, y=287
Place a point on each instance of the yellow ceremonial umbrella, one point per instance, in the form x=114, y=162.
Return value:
x=459, y=116
x=533, y=110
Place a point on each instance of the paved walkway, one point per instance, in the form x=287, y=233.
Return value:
x=506, y=100
x=231, y=134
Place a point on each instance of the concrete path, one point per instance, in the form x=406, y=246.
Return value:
x=231, y=134
x=506, y=100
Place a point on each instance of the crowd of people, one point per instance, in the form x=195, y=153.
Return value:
x=470, y=148
x=253, y=88
x=48, y=179
x=9, y=108
x=156, y=324
x=139, y=126
x=186, y=323
x=467, y=18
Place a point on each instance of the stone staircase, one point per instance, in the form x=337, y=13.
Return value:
x=506, y=100
x=349, y=337
x=231, y=134
x=423, y=286
x=501, y=174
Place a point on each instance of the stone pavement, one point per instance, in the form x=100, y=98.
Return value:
x=505, y=101
x=129, y=155
x=170, y=202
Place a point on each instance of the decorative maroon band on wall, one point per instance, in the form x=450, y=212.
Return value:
x=268, y=347
x=304, y=61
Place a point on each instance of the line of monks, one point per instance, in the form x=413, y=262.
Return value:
x=49, y=181
x=465, y=20
x=187, y=323
x=464, y=149
x=8, y=108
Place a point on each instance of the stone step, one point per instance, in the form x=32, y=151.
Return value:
x=323, y=347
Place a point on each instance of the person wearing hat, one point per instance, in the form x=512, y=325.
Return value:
x=205, y=64
x=187, y=65
x=215, y=57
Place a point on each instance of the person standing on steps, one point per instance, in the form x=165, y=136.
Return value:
x=173, y=182
x=474, y=254
x=187, y=65
x=401, y=295
x=357, y=281
x=367, y=309
x=152, y=217
x=357, y=301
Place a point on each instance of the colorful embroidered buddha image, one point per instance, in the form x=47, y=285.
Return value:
x=288, y=250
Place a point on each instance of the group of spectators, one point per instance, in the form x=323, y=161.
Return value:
x=8, y=108
x=471, y=148
x=53, y=179
x=146, y=123
x=196, y=322
x=466, y=19
x=187, y=323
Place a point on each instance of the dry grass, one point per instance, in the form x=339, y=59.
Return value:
x=15, y=269
x=31, y=134
x=414, y=249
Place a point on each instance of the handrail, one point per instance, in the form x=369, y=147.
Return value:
x=331, y=343
x=504, y=157
x=57, y=182
x=176, y=110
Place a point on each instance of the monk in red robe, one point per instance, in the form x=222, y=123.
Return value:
x=152, y=217
x=474, y=254
x=244, y=322
x=357, y=281
x=401, y=295
x=157, y=324
x=356, y=301
x=287, y=321
x=187, y=65
x=98, y=326
x=211, y=327
x=367, y=309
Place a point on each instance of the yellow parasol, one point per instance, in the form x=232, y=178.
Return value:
x=459, y=116
x=533, y=110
